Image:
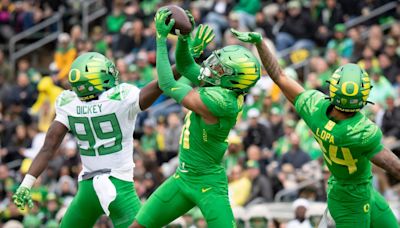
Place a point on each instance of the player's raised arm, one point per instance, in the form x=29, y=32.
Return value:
x=182, y=93
x=53, y=139
x=388, y=161
x=185, y=65
x=289, y=87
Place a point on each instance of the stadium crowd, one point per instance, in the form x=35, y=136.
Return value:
x=270, y=149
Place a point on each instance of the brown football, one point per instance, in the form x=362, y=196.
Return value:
x=182, y=22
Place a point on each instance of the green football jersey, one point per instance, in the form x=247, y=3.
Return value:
x=347, y=145
x=202, y=145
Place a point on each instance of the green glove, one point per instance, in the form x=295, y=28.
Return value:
x=248, y=37
x=162, y=28
x=191, y=18
x=22, y=197
x=204, y=36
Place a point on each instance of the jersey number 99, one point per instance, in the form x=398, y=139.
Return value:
x=93, y=128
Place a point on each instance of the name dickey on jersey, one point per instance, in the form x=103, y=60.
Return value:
x=88, y=109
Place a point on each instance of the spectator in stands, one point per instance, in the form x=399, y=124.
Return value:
x=18, y=143
x=254, y=100
x=390, y=49
x=342, y=45
x=7, y=9
x=235, y=154
x=23, y=93
x=48, y=92
x=5, y=69
x=239, y=187
x=375, y=39
x=300, y=207
x=99, y=43
x=282, y=145
x=124, y=44
x=217, y=17
x=368, y=60
x=295, y=156
x=391, y=119
x=257, y=133
x=276, y=123
x=23, y=66
x=261, y=187
x=382, y=87
x=246, y=10
x=389, y=68
x=148, y=142
x=298, y=30
x=6, y=181
x=331, y=15
x=115, y=20
x=171, y=137
x=76, y=34
x=144, y=69
x=358, y=44
x=64, y=55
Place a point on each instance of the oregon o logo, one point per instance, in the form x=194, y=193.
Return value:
x=366, y=207
x=346, y=87
x=74, y=75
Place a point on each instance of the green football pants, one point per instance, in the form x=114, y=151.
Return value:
x=177, y=195
x=359, y=206
x=85, y=208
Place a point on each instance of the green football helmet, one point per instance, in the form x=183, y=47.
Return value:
x=349, y=88
x=91, y=74
x=233, y=67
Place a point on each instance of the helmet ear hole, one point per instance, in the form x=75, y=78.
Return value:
x=106, y=81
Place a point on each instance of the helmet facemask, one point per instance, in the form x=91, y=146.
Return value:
x=213, y=69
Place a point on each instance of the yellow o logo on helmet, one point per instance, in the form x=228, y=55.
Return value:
x=74, y=75
x=344, y=88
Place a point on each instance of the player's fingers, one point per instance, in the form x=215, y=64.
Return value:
x=234, y=32
x=210, y=38
x=198, y=31
x=30, y=203
x=171, y=24
x=165, y=15
x=209, y=32
x=202, y=31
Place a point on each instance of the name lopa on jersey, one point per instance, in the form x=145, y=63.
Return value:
x=103, y=128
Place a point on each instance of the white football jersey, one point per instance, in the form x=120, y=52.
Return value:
x=103, y=128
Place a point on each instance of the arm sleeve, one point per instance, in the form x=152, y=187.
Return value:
x=166, y=81
x=185, y=63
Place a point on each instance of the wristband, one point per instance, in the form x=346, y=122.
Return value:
x=28, y=181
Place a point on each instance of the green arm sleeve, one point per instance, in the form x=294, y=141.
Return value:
x=185, y=63
x=166, y=81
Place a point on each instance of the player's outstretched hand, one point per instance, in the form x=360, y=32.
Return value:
x=248, y=37
x=204, y=36
x=160, y=19
x=22, y=197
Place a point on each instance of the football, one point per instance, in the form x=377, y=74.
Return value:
x=182, y=21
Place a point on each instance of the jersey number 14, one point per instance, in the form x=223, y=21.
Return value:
x=347, y=159
x=95, y=128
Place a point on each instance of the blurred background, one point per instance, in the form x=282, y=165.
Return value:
x=276, y=173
